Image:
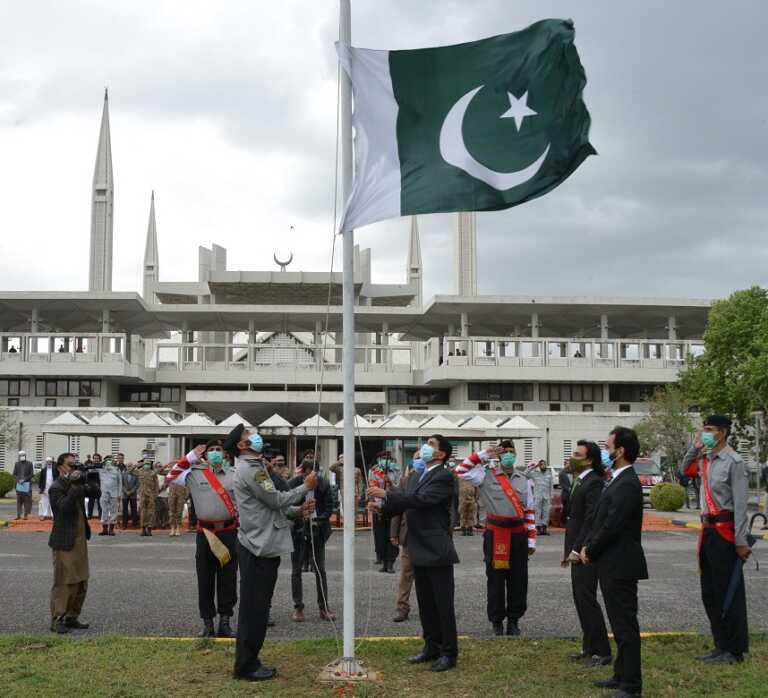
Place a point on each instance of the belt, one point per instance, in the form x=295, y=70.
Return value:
x=227, y=525
x=504, y=521
x=722, y=517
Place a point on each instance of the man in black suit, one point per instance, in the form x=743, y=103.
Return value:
x=587, y=470
x=564, y=480
x=426, y=502
x=615, y=546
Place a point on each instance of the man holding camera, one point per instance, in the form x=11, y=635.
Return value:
x=68, y=541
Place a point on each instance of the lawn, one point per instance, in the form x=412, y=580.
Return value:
x=121, y=667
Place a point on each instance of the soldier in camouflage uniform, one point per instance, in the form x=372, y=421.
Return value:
x=177, y=496
x=467, y=507
x=148, y=491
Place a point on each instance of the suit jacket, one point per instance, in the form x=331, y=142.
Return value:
x=565, y=490
x=582, y=507
x=615, y=541
x=426, y=503
x=398, y=525
x=67, y=503
x=323, y=508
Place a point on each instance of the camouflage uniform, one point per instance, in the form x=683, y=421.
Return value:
x=467, y=506
x=177, y=495
x=148, y=491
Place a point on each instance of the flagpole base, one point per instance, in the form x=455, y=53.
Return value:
x=347, y=670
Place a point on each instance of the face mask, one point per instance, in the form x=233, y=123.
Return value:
x=147, y=466
x=605, y=458
x=508, y=460
x=215, y=457
x=708, y=439
x=419, y=465
x=257, y=443
x=577, y=464
x=427, y=453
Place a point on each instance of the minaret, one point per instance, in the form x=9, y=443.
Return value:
x=466, y=255
x=413, y=271
x=100, y=274
x=151, y=257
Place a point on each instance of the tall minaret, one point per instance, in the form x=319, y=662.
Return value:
x=415, y=278
x=100, y=275
x=151, y=257
x=466, y=255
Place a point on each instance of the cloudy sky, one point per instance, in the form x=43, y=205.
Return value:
x=227, y=110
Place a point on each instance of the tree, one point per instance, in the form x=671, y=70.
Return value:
x=668, y=427
x=731, y=377
x=9, y=429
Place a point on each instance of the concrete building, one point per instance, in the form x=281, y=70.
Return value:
x=115, y=371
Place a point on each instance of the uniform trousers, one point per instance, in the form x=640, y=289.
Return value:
x=543, y=505
x=177, y=495
x=584, y=588
x=406, y=580
x=717, y=559
x=434, y=592
x=507, y=588
x=108, y=508
x=214, y=582
x=258, y=576
x=385, y=551
x=314, y=552
x=147, y=509
x=467, y=512
x=620, y=596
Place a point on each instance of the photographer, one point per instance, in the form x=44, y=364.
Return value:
x=68, y=541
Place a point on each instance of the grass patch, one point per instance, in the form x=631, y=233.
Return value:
x=120, y=667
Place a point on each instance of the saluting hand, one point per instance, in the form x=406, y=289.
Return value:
x=310, y=482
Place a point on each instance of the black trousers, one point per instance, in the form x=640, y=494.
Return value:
x=717, y=559
x=258, y=576
x=594, y=634
x=313, y=551
x=91, y=502
x=130, y=502
x=385, y=551
x=214, y=582
x=507, y=589
x=434, y=592
x=620, y=596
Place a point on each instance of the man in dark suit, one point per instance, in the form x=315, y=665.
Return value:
x=564, y=480
x=615, y=546
x=587, y=470
x=426, y=502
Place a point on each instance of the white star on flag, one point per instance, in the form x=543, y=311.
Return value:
x=518, y=109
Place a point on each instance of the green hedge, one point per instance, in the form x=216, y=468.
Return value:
x=6, y=483
x=667, y=496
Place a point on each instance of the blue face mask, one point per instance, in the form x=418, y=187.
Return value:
x=508, y=460
x=427, y=453
x=419, y=465
x=215, y=457
x=257, y=443
x=605, y=458
x=708, y=439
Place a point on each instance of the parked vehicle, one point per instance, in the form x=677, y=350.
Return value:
x=650, y=474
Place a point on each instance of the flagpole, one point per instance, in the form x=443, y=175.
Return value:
x=348, y=354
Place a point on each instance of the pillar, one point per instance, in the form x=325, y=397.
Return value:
x=672, y=328
x=535, y=333
x=34, y=324
x=105, y=320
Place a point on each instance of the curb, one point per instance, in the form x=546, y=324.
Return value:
x=697, y=526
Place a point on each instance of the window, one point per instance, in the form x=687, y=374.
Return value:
x=64, y=388
x=39, y=447
x=13, y=402
x=624, y=408
x=630, y=392
x=527, y=450
x=84, y=402
x=588, y=408
x=517, y=406
x=500, y=391
x=571, y=392
x=484, y=406
x=50, y=402
x=14, y=387
x=567, y=449
x=152, y=393
x=420, y=396
x=554, y=407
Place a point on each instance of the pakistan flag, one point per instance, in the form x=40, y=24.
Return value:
x=475, y=127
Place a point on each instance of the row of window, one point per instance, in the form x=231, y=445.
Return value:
x=419, y=396
x=155, y=393
x=558, y=392
x=63, y=388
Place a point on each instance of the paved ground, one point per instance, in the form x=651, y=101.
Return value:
x=146, y=586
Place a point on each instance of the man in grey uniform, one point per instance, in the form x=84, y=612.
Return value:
x=510, y=535
x=541, y=476
x=264, y=535
x=723, y=545
x=111, y=485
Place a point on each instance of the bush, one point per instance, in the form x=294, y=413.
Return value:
x=7, y=483
x=667, y=496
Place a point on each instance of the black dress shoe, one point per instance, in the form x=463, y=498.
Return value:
x=712, y=655
x=606, y=683
x=208, y=630
x=75, y=624
x=443, y=664
x=59, y=626
x=263, y=673
x=225, y=629
x=423, y=657
x=498, y=628
x=513, y=629
x=725, y=658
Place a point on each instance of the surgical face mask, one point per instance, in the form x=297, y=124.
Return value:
x=257, y=443
x=605, y=458
x=147, y=466
x=577, y=465
x=508, y=460
x=419, y=465
x=708, y=439
x=427, y=453
x=215, y=457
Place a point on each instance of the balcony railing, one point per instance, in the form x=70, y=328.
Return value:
x=65, y=348
x=559, y=352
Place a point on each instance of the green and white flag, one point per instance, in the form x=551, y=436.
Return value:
x=479, y=126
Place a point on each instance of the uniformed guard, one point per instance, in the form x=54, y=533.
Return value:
x=111, y=486
x=211, y=488
x=467, y=507
x=541, y=476
x=386, y=475
x=723, y=542
x=510, y=536
x=264, y=535
x=148, y=491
